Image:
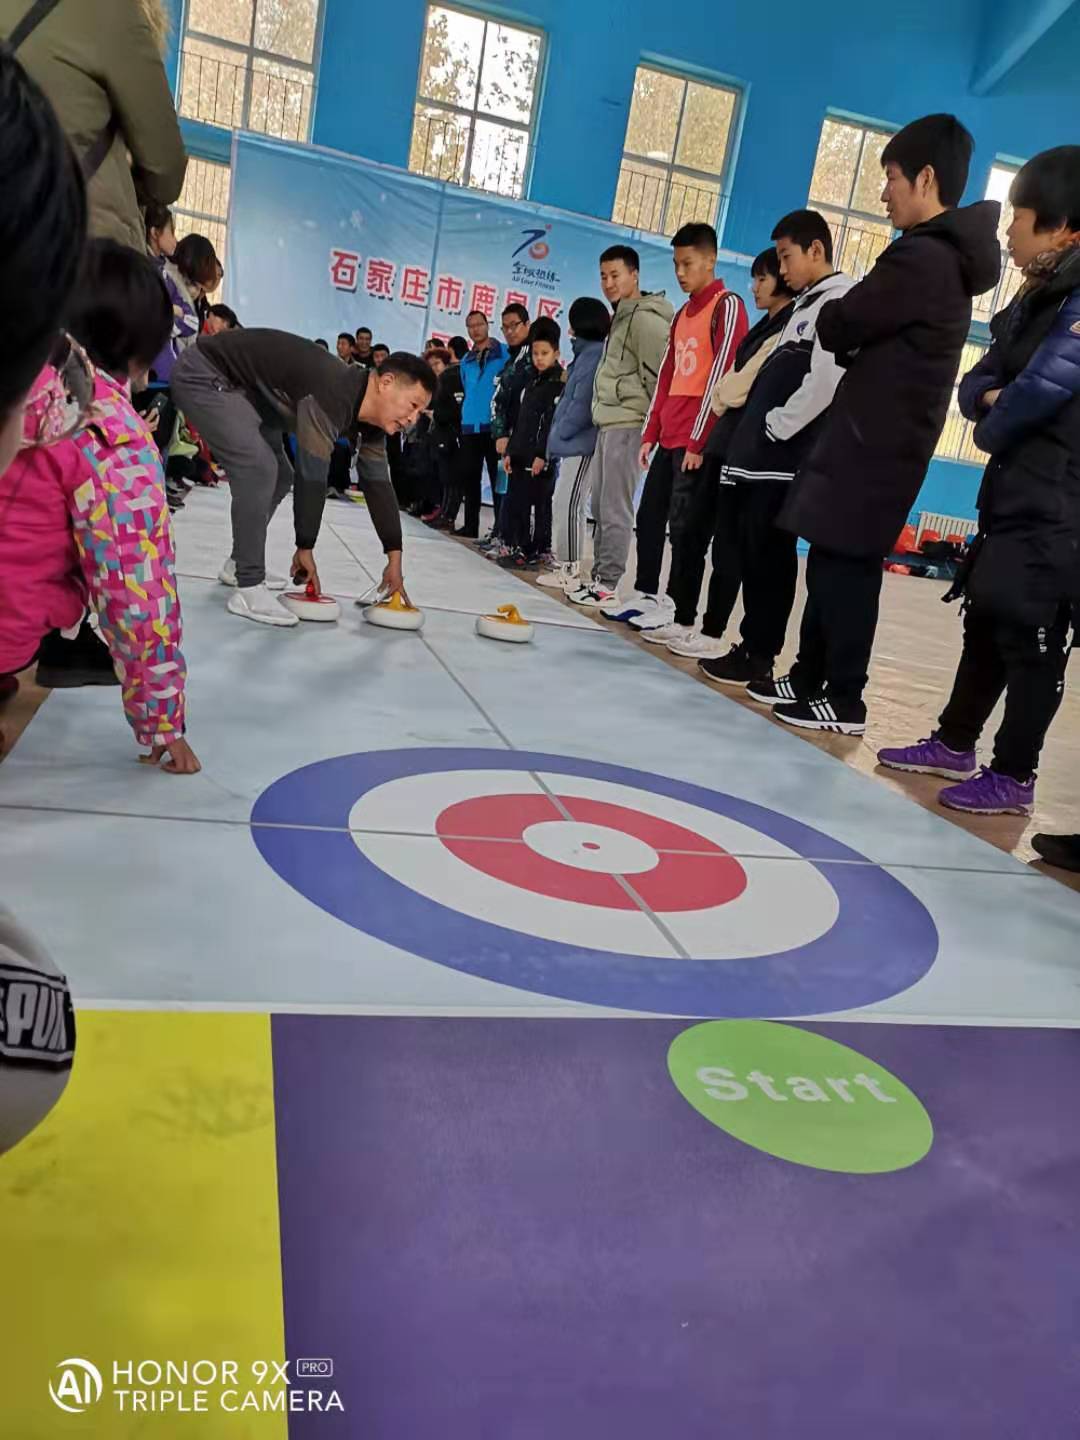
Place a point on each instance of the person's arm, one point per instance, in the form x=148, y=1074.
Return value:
x=185, y=315
x=729, y=331
x=650, y=431
x=501, y=418
x=573, y=414
x=142, y=102
x=811, y=399
x=986, y=375
x=648, y=340
x=543, y=428
x=373, y=478
x=126, y=557
x=731, y=391
x=896, y=293
x=1047, y=383
x=315, y=438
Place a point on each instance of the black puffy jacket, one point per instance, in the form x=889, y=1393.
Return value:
x=900, y=332
x=535, y=412
x=1027, y=556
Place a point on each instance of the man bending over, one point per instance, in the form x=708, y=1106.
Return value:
x=244, y=390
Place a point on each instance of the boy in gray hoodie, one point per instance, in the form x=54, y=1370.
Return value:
x=625, y=380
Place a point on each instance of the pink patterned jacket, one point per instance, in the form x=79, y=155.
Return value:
x=85, y=522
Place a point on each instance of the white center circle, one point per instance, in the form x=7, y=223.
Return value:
x=590, y=847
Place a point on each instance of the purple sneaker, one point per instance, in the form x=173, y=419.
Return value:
x=990, y=793
x=931, y=757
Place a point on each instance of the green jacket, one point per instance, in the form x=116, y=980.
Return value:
x=98, y=62
x=628, y=370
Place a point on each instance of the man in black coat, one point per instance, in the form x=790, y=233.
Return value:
x=900, y=333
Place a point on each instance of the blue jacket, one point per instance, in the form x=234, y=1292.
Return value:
x=572, y=430
x=1027, y=557
x=478, y=375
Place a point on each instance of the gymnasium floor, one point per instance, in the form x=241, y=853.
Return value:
x=804, y=1163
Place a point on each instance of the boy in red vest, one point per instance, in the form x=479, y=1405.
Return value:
x=701, y=347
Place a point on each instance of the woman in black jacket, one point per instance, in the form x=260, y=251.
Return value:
x=1022, y=576
x=443, y=496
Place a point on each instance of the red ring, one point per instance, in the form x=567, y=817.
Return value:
x=693, y=873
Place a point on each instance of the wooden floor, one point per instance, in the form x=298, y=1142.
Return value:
x=918, y=644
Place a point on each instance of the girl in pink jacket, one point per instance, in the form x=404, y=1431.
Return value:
x=83, y=516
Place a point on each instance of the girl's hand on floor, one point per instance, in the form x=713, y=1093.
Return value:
x=177, y=755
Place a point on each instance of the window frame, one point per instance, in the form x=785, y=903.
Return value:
x=672, y=169
x=847, y=220
x=204, y=215
x=965, y=451
x=475, y=114
x=248, y=54
x=867, y=127
x=1010, y=280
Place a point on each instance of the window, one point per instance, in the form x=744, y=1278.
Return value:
x=203, y=207
x=250, y=65
x=846, y=188
x=675, y=156
x=997, y=188
x=475, y=102
x=956, y=442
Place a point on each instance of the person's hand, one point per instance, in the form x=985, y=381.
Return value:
x=303, y=570
x=506, y=463
x=538, y=466
x=393, y=581
x=990, y=399
x=691, y=461
x=152, y=417
x=177, y=755
x=501, y=446
x=643, y=457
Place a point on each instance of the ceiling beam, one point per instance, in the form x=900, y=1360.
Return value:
x=1010, y=29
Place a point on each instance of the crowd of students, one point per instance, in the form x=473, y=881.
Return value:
x=815, y=424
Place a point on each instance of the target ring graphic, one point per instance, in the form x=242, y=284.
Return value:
x=594, y=883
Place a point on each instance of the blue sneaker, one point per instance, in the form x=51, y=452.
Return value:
x=931, y=757
x=991, y=793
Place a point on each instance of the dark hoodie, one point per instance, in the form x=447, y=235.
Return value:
x=900, y=334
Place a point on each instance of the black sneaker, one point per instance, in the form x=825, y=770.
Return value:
x=69, y=664
x=516, y=560
x=737, y=667
x=1062, y=851
x=773, y=692
x=822, y=714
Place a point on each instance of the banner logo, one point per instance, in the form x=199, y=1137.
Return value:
x=535, y=243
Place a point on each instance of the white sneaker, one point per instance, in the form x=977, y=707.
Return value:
x=560, y=577
x=665, y=634
x=656, y=610
x=592, y=597
x=697, y=646
x=254, y=602
x=227, y=576
x=626, y=608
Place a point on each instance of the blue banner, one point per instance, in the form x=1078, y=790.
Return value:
x=321, y=242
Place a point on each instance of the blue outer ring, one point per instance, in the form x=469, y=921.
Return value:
x=882, y=942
